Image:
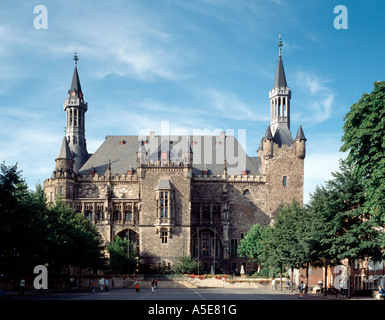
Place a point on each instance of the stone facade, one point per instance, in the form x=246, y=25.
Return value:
x=181, y=206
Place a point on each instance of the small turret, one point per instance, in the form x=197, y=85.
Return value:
x=64, y=173
x=300, y=143
x=64, y=159
x=268, y=144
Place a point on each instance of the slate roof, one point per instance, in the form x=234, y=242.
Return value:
x=300, y=134
x=206, y=150
x=64, y=152
x=75, y=84
x=282, y=135
x=80, y=155
x=164, y=184
x=268, y=134
x=280, y=78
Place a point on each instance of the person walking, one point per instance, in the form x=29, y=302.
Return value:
x=345, y=287
x=301, y=288
x=93, y=287
x=287, y=284
x=101, y=284
x=137, y=286
x=22, y=286
x=152, y=285
x=106, y=285
x=156, y=285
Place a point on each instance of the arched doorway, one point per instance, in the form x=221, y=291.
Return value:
x=207, y=249
x=132, y=236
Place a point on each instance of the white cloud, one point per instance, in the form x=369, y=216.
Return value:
x=232, y=107
x=319, y=97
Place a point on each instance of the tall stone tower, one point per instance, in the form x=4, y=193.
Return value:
x=282, y=156
x=280, y=97
x=75, y=109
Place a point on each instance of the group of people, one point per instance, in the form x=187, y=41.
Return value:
x=154, y=285
x=103, y=285
x=301, y=286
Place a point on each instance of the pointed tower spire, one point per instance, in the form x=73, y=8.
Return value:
x=268, y=135
x=300, y=135
x=280, y=78
x=64, y=159
x=300, y=143
x=64, y=152
x=75, y=84
x=280, y=97
x=75, y=109
x=268, y=144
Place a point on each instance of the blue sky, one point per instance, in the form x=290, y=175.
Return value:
x=198, y=64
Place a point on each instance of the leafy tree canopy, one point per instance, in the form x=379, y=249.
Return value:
x=364, y=139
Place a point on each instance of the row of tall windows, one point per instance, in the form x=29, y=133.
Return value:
x=122, y=212
x=205, y=211
x=74, y=117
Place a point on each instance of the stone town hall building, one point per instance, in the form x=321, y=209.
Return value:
x=177, y=196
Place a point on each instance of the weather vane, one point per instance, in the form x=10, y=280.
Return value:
x=76, y=58
x=280, y=45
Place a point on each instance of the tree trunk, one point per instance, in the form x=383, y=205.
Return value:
x=281, y=277
x=326, y=277
x=307, y=277
x=350, y=267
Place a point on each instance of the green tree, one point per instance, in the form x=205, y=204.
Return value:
x=357, y=236
x=22, y=228
x=71, y=239
x=120, y=260
x=251, y=244
x=270, y=251
x=32, y=233
x=288, y=239
x=186, y=265
x=341, y=229
x=323, y=230
x=363, y=138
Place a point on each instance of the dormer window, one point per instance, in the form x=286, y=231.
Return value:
x=164, y=156
x=164, y=204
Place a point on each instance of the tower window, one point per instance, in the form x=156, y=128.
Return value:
x=284, y=181
x=128, y=215
x=164, y=204
x=246, y=192
x=164, y=237
x=234, y=248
